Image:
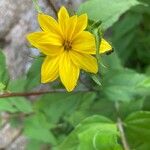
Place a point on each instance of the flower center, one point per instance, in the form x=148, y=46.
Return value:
x=67, y=45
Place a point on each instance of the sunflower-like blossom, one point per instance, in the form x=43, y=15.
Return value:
x=67, y=46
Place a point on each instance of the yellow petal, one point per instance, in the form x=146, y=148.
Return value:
x=44, y=38
x=104, y=46
x=72, y=21
x=49, y=24
x=63, y=17
x=49, y=70
x=82, y=22
x=68, y=72
x=84, y=43
x=47, y=44
x=84, y=61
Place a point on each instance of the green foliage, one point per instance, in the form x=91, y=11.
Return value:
x=4, y=77
x=137, y=126
x=33, y=75
x=124, y=85
x=87, y=118
x=96, y=132
x=132, y=31
x=68, y=104
x=16, y=104
x=2, y=86
x=106, y=11
x=37, y=128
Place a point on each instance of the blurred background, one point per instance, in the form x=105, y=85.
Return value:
x=130, y=37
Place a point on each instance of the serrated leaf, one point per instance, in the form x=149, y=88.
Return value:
x=67, y=103
x=95, y=132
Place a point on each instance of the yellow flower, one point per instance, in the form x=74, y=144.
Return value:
x=67, y=47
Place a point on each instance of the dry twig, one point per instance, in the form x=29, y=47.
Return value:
x=36, y=93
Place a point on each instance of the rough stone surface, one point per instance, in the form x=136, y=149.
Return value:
x=7, y=134
x=18, y=144
x=17, y=18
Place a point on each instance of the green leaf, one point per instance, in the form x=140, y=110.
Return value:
x=34, y=74
x=104, y=107
x=21, y=104
x=145, y=83
x=6, y=105
x=16, y=104
x=126, y=108
x=95, y=132
x=124, y=38
x=2, y=86
x=68, y=103
x=137, y=128
x=82, y=109
x=4, y=76
x=122, y=85
x=34, y=145
x=110, y=62
x=37, y=128
x=122, y=28
x=106, y=11
x=96, y=79
x=17, y=85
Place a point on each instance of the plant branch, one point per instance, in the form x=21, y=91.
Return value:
x=121, y=129
x=36, y=93
x=53, y=7
x=122, y=134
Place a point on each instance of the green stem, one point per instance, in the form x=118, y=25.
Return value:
x=97, y=35
x=121, y=128
x=97, y=42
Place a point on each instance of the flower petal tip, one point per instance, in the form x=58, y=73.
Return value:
x=70, y=89
x=28, y=37
x=63, y=8
x=63, y=12
x=43, y=81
